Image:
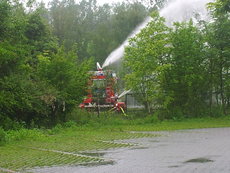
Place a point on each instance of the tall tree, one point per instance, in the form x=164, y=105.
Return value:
x=68, y=77
x=147, y=51
x=4, y=18
x=219, y=42
x=186, y=80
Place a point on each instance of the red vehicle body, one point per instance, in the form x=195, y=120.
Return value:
x=101, y=92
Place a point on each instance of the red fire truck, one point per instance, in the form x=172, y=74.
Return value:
x=101, y=92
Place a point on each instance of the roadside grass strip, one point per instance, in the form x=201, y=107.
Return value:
x=62, y=149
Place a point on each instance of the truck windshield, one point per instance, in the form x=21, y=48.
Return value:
x=99, y=83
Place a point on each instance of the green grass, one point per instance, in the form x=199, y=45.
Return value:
x=62, y=146
x=18, y=158
x=169, y=125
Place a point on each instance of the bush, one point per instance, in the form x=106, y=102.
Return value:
x=69, y=124
x=152, y=118
x=55, y=129
x=7, y=124
x=216, y=111
x=22, y=134
x=79, y=116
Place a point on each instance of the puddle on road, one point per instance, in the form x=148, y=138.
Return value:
x=196, y=160
x=199, y=160
x=174, y=166
x=101, y=163
x=138, y=148
x=69, y=167
x=154, y=141
x=93, y=154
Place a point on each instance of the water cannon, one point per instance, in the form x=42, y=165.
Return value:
x=99, y=68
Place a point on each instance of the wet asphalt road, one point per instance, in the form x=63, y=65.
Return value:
x=187, y=151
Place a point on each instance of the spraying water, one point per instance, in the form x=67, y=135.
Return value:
x=184, y=10
x=176, y=10
x=119, y=52
x=124, y=93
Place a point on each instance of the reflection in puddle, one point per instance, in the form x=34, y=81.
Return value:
x=199, y=160
x=155, y=141
x=174, y=166
x=137, y=148
x=109, y=162
x=94, y=154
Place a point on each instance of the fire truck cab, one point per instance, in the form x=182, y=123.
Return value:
x=102, y=91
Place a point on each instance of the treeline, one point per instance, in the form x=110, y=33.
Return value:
x=45, y=54
x=97, y=30
x=183, y=71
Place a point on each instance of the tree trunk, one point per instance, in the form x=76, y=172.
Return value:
x=222, y=86
x=211, y=87
x=149, y=108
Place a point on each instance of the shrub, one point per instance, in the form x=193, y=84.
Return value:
x=79, y=116
x=22, y=134
x=69, y=124
x=56, y=129
x=7, y=124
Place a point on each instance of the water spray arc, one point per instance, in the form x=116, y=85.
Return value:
x=119, y=52
x=176, y=10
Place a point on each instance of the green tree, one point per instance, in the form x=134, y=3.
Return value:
x=219, y=42
x=147, y=51
x=186, y=79
x=4, y=18
x=21, y=91
x=68, y=77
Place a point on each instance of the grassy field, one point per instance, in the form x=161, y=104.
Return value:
x=69, y=145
